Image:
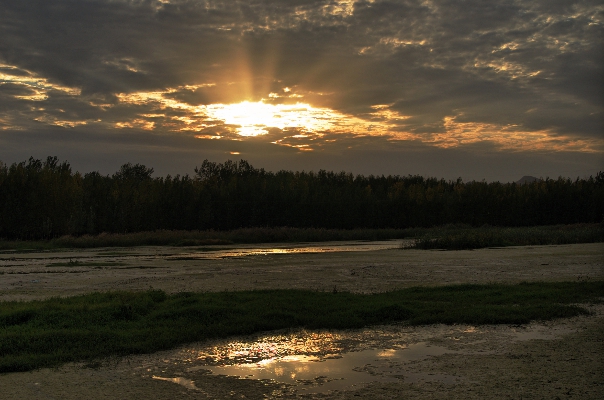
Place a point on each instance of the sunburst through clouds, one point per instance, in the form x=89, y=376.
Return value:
x=288, y=124
x=255, y=118
x=377, y=76
x=302, y=126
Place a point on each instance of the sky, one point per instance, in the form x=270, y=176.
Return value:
x=476, y=89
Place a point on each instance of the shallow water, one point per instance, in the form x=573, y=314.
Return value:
x=320, y=374
x=329, y=247
x=319, y=362
x=167, y=253
x=310, y=361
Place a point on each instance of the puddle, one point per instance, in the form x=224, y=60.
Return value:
x=314, y=374
x=319, y=362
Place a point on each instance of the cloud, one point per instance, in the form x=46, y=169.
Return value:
x=512, y=75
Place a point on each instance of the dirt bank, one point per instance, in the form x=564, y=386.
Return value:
x=559, y=359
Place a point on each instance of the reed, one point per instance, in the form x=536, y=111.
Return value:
x=208, y=237
x=455, y=237
x=451, y=237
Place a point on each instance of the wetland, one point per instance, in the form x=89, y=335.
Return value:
x=546, y=359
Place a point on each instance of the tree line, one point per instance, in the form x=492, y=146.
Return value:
x=46, y=199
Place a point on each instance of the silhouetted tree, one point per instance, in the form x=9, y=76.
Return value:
x=44, y=199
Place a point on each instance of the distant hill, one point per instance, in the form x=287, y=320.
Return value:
x=527, y=179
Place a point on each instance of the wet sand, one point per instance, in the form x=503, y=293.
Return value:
x=558, y=359
x=28, y=276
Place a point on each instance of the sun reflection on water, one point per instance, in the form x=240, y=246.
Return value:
x=318, y=364
x=308, y=362
x=218, y=252
x=263, y=352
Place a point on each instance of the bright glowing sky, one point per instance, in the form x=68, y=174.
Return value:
x=483, y=90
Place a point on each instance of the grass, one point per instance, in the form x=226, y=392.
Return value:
x=205, y=238
x=455, y=237
x=51, y=332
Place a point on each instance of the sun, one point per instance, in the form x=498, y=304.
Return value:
x=256, y=118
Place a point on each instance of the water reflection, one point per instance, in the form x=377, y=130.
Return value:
x=319, y=344
x=314, y=362
x=159, y=253
x=323, y=361
x=303, y=248
x=320, y=374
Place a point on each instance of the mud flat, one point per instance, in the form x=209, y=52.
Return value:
x=557, y=359
x=366, y=267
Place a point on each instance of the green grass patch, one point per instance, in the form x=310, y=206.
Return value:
x=50, y=332
x=460, y=237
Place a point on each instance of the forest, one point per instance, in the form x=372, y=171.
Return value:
x=44, y=199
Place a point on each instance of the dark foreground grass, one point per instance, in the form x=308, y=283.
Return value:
x=50, y=332
x=455, y=237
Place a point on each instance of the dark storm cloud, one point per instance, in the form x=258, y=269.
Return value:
x=534, y=65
